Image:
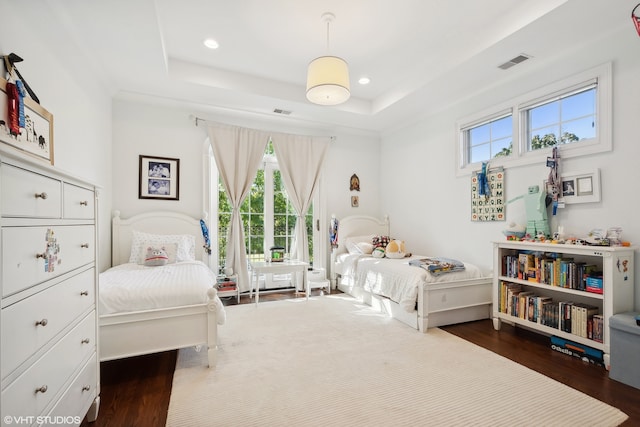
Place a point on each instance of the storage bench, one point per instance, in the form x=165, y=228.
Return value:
x=625, y=349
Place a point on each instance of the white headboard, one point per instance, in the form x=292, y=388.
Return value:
x=360, y=225
x=156, y=223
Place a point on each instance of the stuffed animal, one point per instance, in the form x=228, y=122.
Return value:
x=378, y=252
x=395, y=249
x=156, y=257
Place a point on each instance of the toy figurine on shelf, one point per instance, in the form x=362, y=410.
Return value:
x=536, y=209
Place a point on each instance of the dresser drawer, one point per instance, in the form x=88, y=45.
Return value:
x=28, y=258
x=55, y=308
x=28, y=194
x=33, y=391
x=78, y=397
x=78, y=202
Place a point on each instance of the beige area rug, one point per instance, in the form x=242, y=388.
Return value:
x=330, y=361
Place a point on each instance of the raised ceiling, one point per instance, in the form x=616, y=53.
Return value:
x=419, y=54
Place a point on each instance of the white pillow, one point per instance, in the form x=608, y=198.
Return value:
x=186, y=245
x=359, y=244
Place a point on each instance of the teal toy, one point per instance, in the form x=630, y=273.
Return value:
x=536, y=209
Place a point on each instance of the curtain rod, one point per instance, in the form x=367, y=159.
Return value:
x=197, y=119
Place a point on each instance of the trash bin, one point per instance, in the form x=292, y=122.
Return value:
x=625, y=349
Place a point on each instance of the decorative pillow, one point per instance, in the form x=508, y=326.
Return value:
x=365, y=247
x=170, y=250
x=380, y=241
x=359, y=244
x=186, y=245
x=155, y=256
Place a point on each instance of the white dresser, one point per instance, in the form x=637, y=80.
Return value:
x=48, y=323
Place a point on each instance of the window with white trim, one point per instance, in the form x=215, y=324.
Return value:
x=563, y=119
x=573, y=114
x=488, y=139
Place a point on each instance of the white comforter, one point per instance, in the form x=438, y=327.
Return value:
x=132, y=287
x=395, y=278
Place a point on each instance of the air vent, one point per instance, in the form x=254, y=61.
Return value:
x=281, y=111
x=514, y=61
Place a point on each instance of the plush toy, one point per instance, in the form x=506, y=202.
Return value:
x=378, y=252
x=156, y=257
x=395, y=249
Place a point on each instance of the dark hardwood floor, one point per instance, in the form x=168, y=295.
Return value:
x=135, y=391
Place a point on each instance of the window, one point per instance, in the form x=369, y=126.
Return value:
x=489, y=139
x=267, y=216
x=563, y=120
x=573, y=114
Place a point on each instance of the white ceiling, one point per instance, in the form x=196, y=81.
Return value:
x=419, y=54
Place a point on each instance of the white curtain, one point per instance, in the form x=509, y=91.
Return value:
x=238, y=153
x=300, y=159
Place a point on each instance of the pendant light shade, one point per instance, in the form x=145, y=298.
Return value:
x=328, y=76
x=328, y=81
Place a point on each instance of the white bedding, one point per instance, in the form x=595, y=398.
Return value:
x=394, y=278
x=132, y=287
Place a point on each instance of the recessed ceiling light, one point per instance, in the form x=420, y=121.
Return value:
x=364, y=80
x=211, y=43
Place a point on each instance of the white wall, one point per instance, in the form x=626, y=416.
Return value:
x=81, y=108
x=429, y=206
x=170, y=131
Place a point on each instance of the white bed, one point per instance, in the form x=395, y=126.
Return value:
x=168, y=318
x=408, y=293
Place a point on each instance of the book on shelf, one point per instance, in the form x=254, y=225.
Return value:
x=594, y=284
x=598, y=327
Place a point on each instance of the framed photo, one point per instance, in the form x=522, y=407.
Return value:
x=355, y=201
x=36, y=136
x=159, y=178
x=581, y=187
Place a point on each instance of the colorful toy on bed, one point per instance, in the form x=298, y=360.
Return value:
x=156, y=257
x=395, y=249
x=378, y=252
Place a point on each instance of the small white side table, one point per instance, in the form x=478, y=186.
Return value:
x=232, y=293
x=281, y=267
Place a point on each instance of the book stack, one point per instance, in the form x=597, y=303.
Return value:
x=225, y=284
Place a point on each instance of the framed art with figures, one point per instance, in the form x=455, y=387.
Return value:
x=159, y=178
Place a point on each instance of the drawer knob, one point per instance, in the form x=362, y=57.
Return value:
x=42, y=322
x=85, y=341
x=84, y=245
x=42, y=255
x=42, y=389
x=84, y=203
x=42, y=195
x=86, y=388
x=84, y=293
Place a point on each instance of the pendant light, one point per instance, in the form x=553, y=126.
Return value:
x=328, y=76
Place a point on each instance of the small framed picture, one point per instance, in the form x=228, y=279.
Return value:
x=159, y=178
x=355, y=202
x=580, y=187
x=35, y=135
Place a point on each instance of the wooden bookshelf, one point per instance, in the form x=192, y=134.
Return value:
x=549, y=275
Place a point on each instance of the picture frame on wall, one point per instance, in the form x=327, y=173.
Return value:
x=159, y=178
x=35, y=138
x=580, y=187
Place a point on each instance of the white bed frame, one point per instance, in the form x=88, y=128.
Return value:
x=151, y=331
x=438, y=304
